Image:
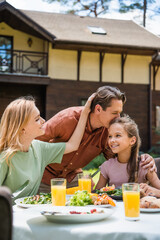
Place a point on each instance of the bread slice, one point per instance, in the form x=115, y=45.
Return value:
x=149, y=202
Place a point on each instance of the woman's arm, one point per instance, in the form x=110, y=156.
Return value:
x=74, y=141
x=101, y=182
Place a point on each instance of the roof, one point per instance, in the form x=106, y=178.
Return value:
x=73, y=28
x=20, y=21
x=67, y=30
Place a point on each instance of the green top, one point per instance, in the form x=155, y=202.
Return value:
x=26, y=168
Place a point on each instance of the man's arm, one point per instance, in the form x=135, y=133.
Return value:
x=59, y=128
x=147, y=162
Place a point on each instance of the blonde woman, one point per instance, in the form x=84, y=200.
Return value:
x=23, y=159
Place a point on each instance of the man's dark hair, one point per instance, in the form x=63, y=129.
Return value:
x=104, y=96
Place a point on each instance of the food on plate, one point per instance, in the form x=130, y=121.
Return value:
x=149, y=202
x=91, y=211
x=83, y=198
x=107, y=188
x=80, y=198
x=42, y=198
x=110, y=190
x=103, y=199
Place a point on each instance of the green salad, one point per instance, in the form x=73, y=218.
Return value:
x=42, y=198
x=80, y=198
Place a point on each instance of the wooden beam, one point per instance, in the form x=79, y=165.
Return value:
x=123, y=60
x=78, y=64
x=103, y=48
x=101, y=58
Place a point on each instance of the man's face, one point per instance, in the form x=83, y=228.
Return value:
x=105, y=117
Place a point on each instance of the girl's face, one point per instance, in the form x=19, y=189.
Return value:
x=118, y=139
x=34, y=127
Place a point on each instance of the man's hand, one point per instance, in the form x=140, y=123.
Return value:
x=147, y=162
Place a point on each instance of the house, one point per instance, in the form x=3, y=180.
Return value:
x=61, y=59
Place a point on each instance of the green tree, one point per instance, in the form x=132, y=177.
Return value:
x=88, y=7
x=96, y=8
x=126, y=6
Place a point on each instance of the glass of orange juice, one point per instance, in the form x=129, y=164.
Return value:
x=131, y=199
x=84, y=182
x=58, y=191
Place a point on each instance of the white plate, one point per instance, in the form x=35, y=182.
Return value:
x=77, y=218
x=19, y=202
x=149, y=210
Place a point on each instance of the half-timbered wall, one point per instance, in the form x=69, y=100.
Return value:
x=73, y=92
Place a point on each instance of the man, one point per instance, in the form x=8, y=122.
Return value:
x=107, y=105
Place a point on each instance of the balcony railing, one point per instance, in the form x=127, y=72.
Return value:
x=27, y=62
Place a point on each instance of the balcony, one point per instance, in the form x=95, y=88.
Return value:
x=24, y=62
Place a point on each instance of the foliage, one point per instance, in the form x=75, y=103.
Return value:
x=126, y=6
x=96, y=8
x=89, y=7
x=131, y=5
x=90, y=172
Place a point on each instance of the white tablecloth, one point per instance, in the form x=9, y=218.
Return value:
x=30, y=225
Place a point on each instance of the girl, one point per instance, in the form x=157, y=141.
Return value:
x=23, y=159
x=124, y=141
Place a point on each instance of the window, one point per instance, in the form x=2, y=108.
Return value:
x=83, y=102
x=5, y=54
x=97, y=30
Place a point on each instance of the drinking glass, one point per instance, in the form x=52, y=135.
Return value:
x=84, y=182
x=58, y=191
x=131, y=199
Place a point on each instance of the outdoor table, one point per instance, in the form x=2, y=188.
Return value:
x=28, y=225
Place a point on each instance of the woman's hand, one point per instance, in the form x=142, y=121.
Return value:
x=87, y=106
x=150, y=191
x=147, y=162
x=74, y=141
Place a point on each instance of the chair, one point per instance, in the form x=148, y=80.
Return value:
x=157, y=162
x=5, y=214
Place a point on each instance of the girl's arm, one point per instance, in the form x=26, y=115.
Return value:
x=153, y=179
x=151, y=191
x=101, y=182
x=74, y=141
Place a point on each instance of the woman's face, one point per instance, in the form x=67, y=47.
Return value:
x=34, y=126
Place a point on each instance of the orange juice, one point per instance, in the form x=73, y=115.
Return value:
x=72, y=190
x=84, y=184
x=131, y=203
x=58, y=193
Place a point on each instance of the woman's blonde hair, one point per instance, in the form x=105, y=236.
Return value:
x=14, y=118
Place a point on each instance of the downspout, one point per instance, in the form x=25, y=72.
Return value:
x=150, y=108
x=150, y=101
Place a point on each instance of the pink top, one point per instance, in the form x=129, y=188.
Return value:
x=116, y=172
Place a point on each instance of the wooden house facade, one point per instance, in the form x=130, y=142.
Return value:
x=61, y=59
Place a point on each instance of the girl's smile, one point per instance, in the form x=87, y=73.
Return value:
x=118, y=139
